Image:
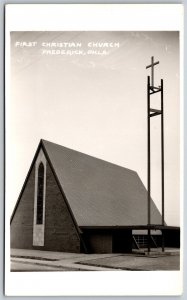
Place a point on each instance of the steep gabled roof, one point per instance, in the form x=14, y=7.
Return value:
x=100, y=193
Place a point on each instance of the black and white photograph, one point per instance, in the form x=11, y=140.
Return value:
x=93, y=151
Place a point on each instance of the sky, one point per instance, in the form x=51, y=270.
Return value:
x=94, y=102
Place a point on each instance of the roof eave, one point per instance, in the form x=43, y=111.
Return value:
x=140, y=227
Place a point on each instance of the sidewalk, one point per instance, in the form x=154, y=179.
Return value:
x=60, y=261
x=57, y=260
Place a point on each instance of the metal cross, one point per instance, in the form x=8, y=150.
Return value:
x=152, y=70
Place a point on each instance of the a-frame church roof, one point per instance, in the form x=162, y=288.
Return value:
x=100, y=193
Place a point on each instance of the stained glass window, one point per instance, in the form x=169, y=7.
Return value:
x=40, y=192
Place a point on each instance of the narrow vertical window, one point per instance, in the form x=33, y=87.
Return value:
x=40, y=193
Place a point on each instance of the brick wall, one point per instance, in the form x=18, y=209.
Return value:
x=60, y=231
x=21, y=234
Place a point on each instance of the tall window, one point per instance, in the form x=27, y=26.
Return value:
x=40, y=192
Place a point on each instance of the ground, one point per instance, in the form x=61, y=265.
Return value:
x=36, y=260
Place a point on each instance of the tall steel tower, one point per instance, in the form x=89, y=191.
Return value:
x=152, y=112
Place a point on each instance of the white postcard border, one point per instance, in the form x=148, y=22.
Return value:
x=76, y=17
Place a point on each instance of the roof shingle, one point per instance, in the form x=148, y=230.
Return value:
x=100, y=193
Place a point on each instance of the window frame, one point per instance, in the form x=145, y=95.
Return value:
x=40, y=194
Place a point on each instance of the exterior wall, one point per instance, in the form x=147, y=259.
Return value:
x=21, y=230
x=108, y=241
x=38, y=229
x=60, y=233
x=98, y=242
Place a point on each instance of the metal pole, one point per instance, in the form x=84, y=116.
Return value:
x=162, y=157
x=152, y=71
x=148, y=160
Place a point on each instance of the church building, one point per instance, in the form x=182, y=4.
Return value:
x=73, y=202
